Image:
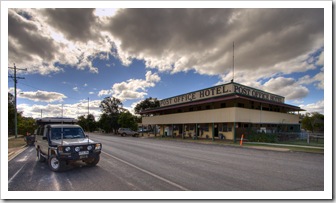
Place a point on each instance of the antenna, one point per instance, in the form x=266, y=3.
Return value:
x=62, y=127
x=232, y=62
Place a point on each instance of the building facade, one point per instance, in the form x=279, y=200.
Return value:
x=222, y=112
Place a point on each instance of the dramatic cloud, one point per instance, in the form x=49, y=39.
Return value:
x=77, y=24
x=201, y=39
x=287, y=87
x=41, y=38
x=42, y=96
x=132, y=88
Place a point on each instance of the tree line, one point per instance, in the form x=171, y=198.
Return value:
x=113, y=117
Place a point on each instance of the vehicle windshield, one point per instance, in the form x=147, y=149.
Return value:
x=68, y=133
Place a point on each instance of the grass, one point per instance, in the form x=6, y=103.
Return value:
x=16, y=142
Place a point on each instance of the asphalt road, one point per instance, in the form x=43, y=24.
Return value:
x=138, y=164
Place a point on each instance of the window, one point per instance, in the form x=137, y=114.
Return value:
x=241, y=105
x=225, y=127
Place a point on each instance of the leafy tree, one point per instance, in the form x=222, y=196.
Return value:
x=146, y=104
x=127, y=120
x=82, y=122
x=11, y=114
x=89, y=123
x=111, y=107
x=313, y=122
x=105, y=123
x=26, y=124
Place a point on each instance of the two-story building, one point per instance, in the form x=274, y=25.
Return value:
x=222, y=112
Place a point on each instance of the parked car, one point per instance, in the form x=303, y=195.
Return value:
x=127, y=131
x=59, y=142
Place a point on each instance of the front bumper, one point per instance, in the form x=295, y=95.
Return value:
x=76, y=156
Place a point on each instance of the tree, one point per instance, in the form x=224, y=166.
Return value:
x=146, y=104
x=26, y=124
x=11, y=114
x=89, y=123
x=111, y=107
x=313, y=122
x=82, y=122
x=105, y=123
x=127, y=120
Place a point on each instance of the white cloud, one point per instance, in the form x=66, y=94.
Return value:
x=318, y=80
x=75, y=89
x=54, y=110
x=321, y=60
x=104, y=93
x=314, y=107
x=135, y=88
x=42, y=96
x=287, y=87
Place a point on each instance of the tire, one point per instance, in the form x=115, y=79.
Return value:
x=124, y=134
x=94, y=162
x=55, y=164
x=40, y=158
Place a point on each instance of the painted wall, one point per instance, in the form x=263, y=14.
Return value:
x=224, y=115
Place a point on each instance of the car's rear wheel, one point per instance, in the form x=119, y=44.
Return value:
x=55, y=164
x=40, y=158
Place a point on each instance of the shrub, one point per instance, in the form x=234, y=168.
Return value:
x=262, y=137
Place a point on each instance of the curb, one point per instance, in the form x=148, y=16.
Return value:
x=13, y=154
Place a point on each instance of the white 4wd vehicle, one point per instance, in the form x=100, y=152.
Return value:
x=61, y=144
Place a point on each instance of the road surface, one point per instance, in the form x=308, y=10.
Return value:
x=140, y=164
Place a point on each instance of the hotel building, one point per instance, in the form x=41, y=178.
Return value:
x=222, y=112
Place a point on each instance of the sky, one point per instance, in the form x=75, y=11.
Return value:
x=74, y=58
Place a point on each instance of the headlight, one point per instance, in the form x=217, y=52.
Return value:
x=89, y=147
x=67, y=149
x=77, y=149
x=98, y=146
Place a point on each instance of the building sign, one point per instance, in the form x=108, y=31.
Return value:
x=221, y=90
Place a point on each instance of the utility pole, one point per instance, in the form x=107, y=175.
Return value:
x=88, y=106
x=15, y=82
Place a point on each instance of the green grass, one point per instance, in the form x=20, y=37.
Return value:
x=16, y=142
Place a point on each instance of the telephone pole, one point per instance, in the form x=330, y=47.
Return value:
x=15, y=78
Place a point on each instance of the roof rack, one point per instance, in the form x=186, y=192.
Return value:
x=55, y=120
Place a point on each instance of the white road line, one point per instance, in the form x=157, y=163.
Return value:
x=10, y=180
x=147, y=172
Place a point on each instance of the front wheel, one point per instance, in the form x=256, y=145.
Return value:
x=94, y=161
x=40, y=158
x=55, y=164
